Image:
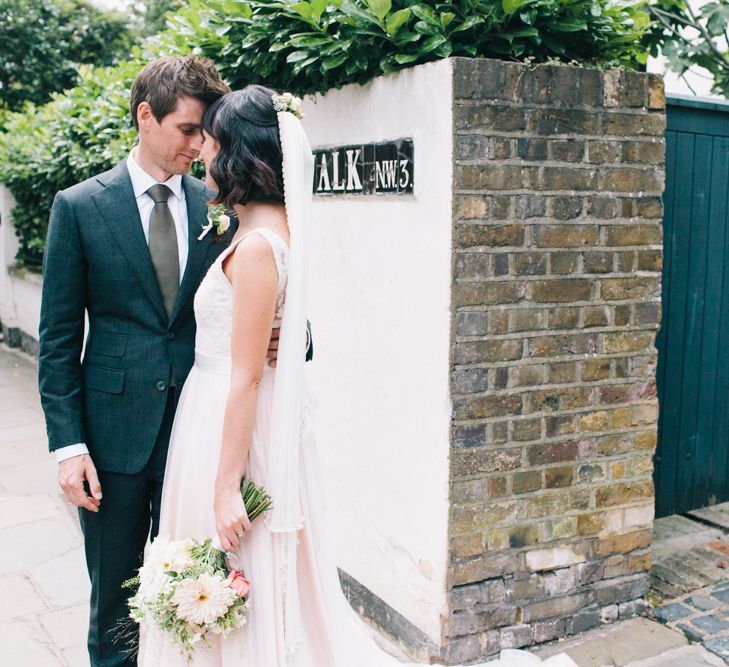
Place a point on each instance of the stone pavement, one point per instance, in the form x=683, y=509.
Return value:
x=44, y=588
x=689, y=553
x=43, y=583
x=638, y=642
x=703, y=616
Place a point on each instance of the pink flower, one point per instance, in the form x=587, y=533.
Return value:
x=238, y=583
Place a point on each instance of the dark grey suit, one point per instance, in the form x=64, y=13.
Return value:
x=117, y=400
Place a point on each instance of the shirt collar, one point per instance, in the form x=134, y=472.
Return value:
x=142, y=181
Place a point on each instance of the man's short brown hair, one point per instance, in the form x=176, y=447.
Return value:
x=162, y=82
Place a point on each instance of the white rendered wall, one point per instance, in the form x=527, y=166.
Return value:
x=8, y=249
x=27, y=288
x=380, y=309
x=20, y=291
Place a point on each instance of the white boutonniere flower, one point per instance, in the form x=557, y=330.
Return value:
x=288, y=102
x=217, y=219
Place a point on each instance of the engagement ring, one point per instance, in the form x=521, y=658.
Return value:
x=240, y=533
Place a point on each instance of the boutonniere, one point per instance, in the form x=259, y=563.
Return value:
x=217, y=219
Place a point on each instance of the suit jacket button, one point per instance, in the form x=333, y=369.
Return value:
x=170, y=335
x=161, y=386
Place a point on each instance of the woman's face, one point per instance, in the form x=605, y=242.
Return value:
x=208, y=152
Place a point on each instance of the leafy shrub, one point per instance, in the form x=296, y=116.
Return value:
x=313, y=45
x=302, y=46
x=692, y=37
x=71, y=138
x=44, y=42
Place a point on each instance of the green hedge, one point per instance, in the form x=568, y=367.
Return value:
x=44, y=42
x=299, y=46
x=49, y=148
x=311, y=46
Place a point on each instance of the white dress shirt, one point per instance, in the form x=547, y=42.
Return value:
x=141, y=182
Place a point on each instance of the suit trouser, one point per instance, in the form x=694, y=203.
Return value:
x=114, y=539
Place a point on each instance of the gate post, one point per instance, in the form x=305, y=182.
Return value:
x=485, y=349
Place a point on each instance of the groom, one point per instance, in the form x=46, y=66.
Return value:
x=123, y=248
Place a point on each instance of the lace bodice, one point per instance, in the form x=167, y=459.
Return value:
x=214, y=298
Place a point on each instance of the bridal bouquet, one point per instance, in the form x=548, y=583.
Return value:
x=186, y=589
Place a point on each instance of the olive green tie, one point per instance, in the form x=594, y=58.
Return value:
x=163, y=246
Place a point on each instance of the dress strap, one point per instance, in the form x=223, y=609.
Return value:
x=280, y=250
x=280, y=255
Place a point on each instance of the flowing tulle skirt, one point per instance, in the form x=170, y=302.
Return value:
x=334, y=636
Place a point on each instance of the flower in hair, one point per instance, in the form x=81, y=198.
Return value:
x=288, y=102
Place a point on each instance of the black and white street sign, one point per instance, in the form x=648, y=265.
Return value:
x=365, y=169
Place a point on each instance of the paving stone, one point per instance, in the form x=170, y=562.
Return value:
x=41, y=541
x=19, y=598
x=77, y=656
x=20, y=415
x=30, y=450
x=21, y=432
x=71, y=588
x=30, y=478
x=718, y=645
x=619, y=644
x=26, y=643
x=703, y=602
x=710, y=624
x=693, y=633
x=15, y=510
x=685, y=656
x=721, y=594
x=718, y=514
x=672, y=612
x=67, y=627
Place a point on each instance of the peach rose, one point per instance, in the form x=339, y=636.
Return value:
x=238, y=583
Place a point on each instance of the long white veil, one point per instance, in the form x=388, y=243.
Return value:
x=286, y=419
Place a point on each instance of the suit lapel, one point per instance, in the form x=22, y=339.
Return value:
x=196, y=199
x=118, y=208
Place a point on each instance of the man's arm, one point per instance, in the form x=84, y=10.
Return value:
x=61, y=341
x=62, y=328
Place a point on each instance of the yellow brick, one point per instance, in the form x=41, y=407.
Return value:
x=622, y=417
x=595, y=421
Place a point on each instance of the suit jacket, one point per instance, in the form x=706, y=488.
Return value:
x=97, y=261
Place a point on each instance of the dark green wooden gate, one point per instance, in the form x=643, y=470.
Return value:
x=692, y=459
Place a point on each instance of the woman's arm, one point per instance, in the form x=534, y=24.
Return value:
x=252, y=272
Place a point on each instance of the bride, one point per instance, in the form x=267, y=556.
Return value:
x=238, y=416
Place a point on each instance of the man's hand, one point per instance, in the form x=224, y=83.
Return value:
x=272, y=353
x=72, y=473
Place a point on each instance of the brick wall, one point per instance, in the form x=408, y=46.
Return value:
x=557, y=211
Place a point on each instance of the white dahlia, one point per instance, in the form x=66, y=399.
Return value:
x=169, y=555
x=203, y=600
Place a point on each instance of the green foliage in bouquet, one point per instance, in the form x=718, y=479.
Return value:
x=255, y=498
x=307, y=46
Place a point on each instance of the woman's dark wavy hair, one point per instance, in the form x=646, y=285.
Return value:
x=248, y=167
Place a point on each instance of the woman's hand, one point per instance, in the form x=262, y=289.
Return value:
x=231, y=518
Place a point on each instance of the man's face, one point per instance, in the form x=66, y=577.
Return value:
x=175, y=142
